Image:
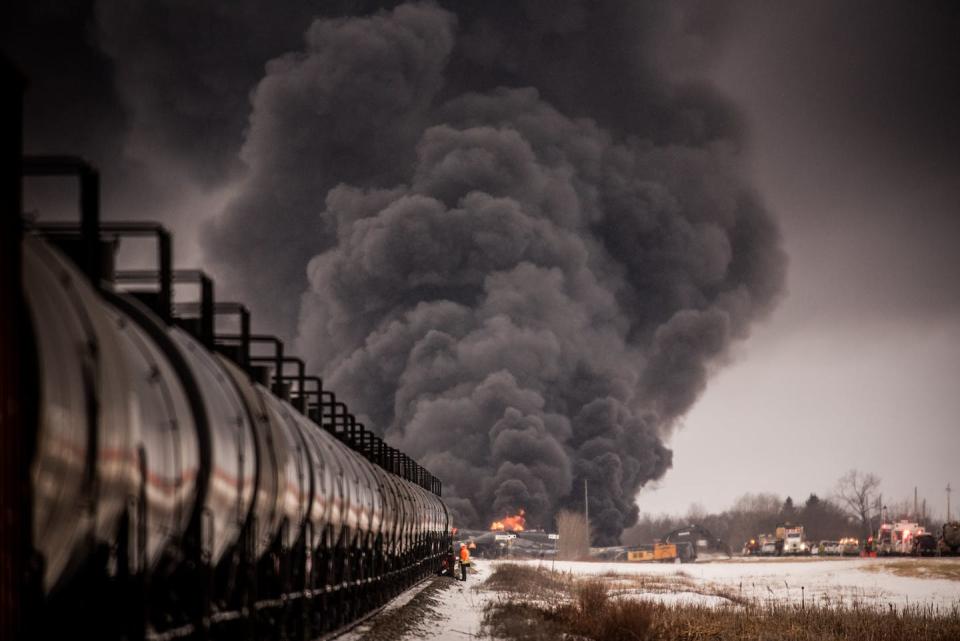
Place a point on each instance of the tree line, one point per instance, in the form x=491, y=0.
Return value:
x=854, y=509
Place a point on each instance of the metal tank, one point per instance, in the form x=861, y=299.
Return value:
x=369, y=503
x=391, y=510
x=344, y=517
x=167, y=441
x=271, y=458
x=404, y=514
x=85, y=467
x=232, y=457
x=296, y=472
x=326, y=505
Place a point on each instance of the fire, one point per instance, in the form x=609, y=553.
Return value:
x=515, y=523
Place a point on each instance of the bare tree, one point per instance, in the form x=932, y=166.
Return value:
x=763, y=502
x=856, y=492
x=696, y=512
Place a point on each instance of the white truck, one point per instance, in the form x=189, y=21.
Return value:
x=792, y=537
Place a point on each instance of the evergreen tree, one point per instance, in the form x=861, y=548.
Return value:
x=788, y=511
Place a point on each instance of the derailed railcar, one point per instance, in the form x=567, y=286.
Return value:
x=182, y=487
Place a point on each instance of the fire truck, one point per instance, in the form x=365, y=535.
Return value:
x=751, y=548
x=897, y=539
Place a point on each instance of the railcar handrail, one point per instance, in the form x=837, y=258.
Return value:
x=89, y=178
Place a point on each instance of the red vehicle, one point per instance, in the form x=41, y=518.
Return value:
x=898, y=539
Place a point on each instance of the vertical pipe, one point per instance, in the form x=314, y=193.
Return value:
x=206, y=311
x=15, y=434
x=90, y=222
x=278, y=369
x=165, y=251
x=245, y=337
x=301, y=385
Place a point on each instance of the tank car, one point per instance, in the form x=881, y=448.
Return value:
x=182, y=485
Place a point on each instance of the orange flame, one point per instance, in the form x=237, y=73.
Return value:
x=515, y=523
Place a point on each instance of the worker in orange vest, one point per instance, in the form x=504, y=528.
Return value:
x=464, y=561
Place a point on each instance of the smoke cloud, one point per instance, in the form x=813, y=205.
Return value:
x=519, y=270
x=514, y=236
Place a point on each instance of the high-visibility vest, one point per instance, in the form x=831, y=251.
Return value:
x=464, y=555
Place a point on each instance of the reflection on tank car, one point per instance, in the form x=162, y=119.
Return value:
x=149, y=441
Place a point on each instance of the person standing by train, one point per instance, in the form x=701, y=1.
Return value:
x=464, y=561
x=450, y=563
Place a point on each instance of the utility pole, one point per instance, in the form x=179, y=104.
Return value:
x=948, y=501
x=873, y=516
x=916, y=514
x=586, y=511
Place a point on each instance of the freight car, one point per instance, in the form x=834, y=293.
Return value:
x=700, y=542
x=182, y=483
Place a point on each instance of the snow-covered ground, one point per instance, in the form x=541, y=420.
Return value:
x=841, y=582
x=460, y=608
x=454, y=611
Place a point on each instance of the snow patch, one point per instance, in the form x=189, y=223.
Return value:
x=832, y=583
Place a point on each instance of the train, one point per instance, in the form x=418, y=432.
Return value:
x=179, y=480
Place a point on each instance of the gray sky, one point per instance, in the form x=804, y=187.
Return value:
x=853, y=128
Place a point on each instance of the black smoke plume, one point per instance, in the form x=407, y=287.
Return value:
x=513, y=236
x=534, y=247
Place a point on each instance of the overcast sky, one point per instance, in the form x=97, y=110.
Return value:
x=854, y=119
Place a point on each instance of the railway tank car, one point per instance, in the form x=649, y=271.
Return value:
x=184, y=484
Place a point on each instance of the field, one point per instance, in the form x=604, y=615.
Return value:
x=780, y=599
x=872, y=583
x=604, y=607
x=920, y=568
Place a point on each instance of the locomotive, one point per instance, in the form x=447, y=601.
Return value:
x=181, y=481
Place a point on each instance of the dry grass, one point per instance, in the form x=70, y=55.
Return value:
x=634, y=584
x=618, y=620
x=600, y=608
x=528, y=580
x=793, y=623
x=920, y=568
